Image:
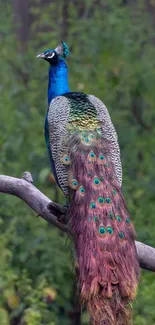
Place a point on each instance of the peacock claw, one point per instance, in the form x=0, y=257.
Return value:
x=62, y=219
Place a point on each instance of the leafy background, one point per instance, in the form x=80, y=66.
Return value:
x=111, y=56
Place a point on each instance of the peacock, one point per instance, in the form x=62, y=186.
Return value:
x=85, y=160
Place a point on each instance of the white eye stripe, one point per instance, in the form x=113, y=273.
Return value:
x=50, y=57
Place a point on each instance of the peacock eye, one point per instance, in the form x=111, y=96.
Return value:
x=121, y=235
x=110, y=230
x=92, y=205
x=102, y=230
x=50, y=55
x=119, y=219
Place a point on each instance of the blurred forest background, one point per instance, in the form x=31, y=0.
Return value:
x=112, y=55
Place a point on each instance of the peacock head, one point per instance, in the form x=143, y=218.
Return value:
x=54, y=56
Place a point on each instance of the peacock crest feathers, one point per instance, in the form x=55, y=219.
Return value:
x=62, y=49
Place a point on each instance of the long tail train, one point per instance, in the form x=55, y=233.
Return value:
x=103, y=233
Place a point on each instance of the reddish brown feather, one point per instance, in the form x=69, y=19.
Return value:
x=108, y=266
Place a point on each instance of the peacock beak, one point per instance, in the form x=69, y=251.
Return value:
x=41, y=55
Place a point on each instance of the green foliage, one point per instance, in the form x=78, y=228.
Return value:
x=111, y=56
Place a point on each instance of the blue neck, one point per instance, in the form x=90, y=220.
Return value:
x=58, y=80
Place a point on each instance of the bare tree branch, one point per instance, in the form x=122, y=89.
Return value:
x=36, y=200
x=146, y=256
x=53, y=212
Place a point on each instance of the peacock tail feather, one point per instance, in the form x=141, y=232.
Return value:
x=102, y=230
